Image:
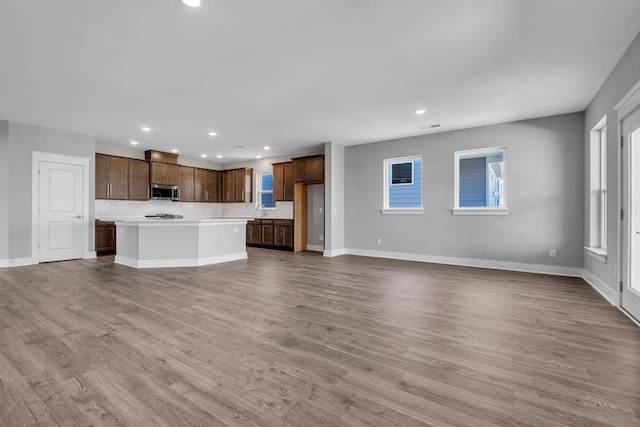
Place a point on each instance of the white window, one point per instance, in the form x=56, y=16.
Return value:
x=598, y=191
x=264, y=192
x=479, y=182
x=403, y=185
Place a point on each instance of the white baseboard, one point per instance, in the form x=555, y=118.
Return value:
x=609, y=294
x=90, y=255
x=162, y=263
x=315, y=248
x=16, y=262
x=472, y=262
x=334, y=252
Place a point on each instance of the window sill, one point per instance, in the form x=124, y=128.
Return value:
x=479, y=211
x=402, y=211
x=597, y=253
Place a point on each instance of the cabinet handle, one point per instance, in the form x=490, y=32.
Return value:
x=206, y=195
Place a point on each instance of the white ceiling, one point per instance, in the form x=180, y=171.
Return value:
x=293, y=74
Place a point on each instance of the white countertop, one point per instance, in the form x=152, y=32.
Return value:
x=181, y=221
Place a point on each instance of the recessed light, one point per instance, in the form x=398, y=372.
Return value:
x=267, y=148
x=258, y=157
x=174, y=150
x=203, y=155
x=192, y=3
x=219, y=156
x=421, y=111
x=134, y=142
x=212, y=134
x=145, y=129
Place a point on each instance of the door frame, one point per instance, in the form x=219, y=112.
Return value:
x=628, y=105
x=85, y=163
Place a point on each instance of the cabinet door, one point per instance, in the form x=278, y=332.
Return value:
x=118, y=177
x=185, y=183
x=213, y=185
x=253, y=232
x=172, y=173
x=240, y=194
x=300, y=170
x=157, y=173
x=267, y=234
x=315, y=167
x=288, y=182
x=199, y=185
x=278, y=182
x=138, y=180
x=102, y=182
x=105, y=238
x=229, y=186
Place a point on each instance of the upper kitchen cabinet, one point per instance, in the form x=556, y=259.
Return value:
x=186, y=184
x=309, y=170
x=138, y=179
x=237, y=185
x=164, y=167
x=111, y=177
x=164, y=173
x=207, y=185
x=283, y=182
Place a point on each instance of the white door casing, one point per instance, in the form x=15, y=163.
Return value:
x=60, y=207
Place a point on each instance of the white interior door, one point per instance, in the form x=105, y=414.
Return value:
x=60, y=215
x=631, y=221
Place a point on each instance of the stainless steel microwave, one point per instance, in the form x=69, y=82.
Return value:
x=164, y=192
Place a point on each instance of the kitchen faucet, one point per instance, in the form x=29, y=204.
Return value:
x=259, y=207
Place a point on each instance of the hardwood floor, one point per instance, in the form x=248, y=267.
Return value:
x=301, y=340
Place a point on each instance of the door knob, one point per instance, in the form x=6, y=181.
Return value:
x=78, y=216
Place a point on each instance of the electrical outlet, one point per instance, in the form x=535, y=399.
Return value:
x=552, y=253
x=236, y=229
x=319, y=210
x=321, y=237
x=379, y=241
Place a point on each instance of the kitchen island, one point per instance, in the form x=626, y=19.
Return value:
x=155, y=243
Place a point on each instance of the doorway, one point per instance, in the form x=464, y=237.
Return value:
x=60, y=207
x=630, y=293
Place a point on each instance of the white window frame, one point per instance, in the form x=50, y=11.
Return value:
x=259, y=192
x=598, y=191
x=386, y=165
x=479, y=152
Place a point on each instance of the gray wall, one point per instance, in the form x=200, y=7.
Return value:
x=623, y=77
x=23, y=139
x=334, y=199
x=315, y=215
x=545, y=183
x=4, y=182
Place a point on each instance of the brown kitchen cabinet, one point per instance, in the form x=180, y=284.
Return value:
x=283, y=182
x=237, y=185
x=207, y=185
x=309, y=169
x=111, y=177
x=105, y=237
x=186, y=181
x=283, y=233
x=138, y=180
x=270, y=233
x=164, y=173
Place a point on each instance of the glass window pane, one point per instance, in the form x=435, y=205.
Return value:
x=409, y=193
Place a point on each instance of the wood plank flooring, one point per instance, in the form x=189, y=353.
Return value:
x=286, y=339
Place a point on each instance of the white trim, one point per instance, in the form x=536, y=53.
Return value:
x=399, y=211
x=333, y=253
x=162, y=263
x=16, y=262
x=609, y=294
x=91, y=255
x=633, y=319
x=479, y=211
x=472, y=262
x=315, y=248
x=628, y=103
x=597, y=253
x=85, y=162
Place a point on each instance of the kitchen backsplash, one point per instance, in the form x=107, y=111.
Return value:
x=110, y=209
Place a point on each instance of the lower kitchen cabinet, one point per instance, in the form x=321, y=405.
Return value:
x=270, y=233
x=105, y=237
